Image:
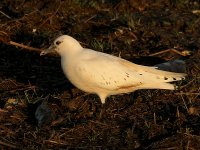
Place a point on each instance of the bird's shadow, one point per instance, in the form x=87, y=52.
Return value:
x=29, y=68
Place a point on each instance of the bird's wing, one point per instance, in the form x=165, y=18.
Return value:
x=112, y=73
x=102, y=71
x=156, y=75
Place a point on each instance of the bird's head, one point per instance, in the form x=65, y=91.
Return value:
x=63, y=45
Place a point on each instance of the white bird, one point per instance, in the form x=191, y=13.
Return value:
x=104, y=74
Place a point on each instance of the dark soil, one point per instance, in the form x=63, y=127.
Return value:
x=41, y=109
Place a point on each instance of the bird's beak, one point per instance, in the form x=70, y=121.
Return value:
x=48, y=50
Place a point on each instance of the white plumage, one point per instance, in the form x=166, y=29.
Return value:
x=104, y=74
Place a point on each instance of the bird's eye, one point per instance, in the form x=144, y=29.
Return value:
x=58, y=42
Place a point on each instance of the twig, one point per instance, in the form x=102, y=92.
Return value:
x=183, y=53
x=50, y=16
x=100, y=123
x=184, y=103
x=196, y=11
x=154, y=117
x=3, y=33
x=25, y=46
x=190, y=82
x=5, y=15
x=90, y=18
x=31, y=49
x=20, y=89
x=9, y=145
x=187, y=93
x=55, y=142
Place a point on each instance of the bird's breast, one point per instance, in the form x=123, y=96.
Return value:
x=73, y=73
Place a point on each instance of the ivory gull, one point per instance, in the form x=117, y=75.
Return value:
x=104, y=74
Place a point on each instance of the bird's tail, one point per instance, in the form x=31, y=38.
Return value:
x=158, y=79
x=166, y=86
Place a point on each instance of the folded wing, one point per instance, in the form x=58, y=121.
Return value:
x=117, y=75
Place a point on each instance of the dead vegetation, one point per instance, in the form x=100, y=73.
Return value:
x=69, y=118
